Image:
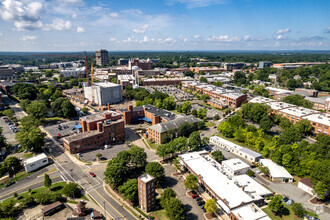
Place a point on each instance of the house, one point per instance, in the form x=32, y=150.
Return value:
x=277, y=173
x=306, y=185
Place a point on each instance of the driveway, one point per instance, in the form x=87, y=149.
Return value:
x=177, y=184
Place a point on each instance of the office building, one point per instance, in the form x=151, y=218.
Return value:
x=235, y=167
x=6, y=73
x=97, y=130
x=102, y=57
x=143, y=64
x=263, y=64
x=126, y=80
x=147, y=195
x=123, y=61
x=35, y=162
x=104, y=93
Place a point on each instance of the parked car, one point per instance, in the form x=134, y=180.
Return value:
x=194, y=196
x=79, y=154
x=285, y=199
x=5, y=118
x=107, y=146
x=9, y=184
x=200, y=203
x=204, y=210
x=199, y=199
x=289, y=202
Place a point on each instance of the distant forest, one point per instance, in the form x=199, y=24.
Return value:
x=167, y=58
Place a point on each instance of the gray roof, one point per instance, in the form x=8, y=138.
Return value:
x=156, y=111
x=250, y=152
x=320, y=100
x=174, y=124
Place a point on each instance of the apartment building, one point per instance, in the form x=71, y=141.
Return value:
x=97, y=130
x=158, y=131
x=143, y=64
x=164, y=81
x=147, y=195
x=102, y=57
x=126, y=80
x=147, y=113
x=230, y=196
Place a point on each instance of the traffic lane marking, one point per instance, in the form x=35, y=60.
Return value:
x=106, y=201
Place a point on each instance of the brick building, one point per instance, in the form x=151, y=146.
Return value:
x=158, y=131
x=148, y=113
x=164, y=81
x=143, y=64
x=147, y=195
x=97, y=130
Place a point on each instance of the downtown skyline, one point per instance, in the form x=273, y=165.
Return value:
x=75, y=25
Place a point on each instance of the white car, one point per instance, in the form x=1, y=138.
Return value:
x=107, y=146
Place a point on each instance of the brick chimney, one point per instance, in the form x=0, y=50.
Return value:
x=109, y=106
x=83, y=125
x=100, y=127
x=130, y=108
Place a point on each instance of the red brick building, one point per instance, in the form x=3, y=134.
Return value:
x=97, y=130
x=143, y=64
x=147, y=195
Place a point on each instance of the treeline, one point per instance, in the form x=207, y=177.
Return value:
x=287, y=149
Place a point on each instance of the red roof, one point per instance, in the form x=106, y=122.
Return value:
x=306, y=181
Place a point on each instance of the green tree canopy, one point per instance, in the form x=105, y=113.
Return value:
x=210, y=206
x=175, y=209
x=72, y=190
x=195, y=140
x=156, y=170
x=30, y=137
x=191, y=182
x=130, y=190
x=218, y=156
x=36, y=109
x=47, y=181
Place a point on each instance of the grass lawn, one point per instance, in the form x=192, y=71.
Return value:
x=209, y=124
x=161, y=215
x=152, y=145
x=28, y=155
x=19, y=176
x=287, y=217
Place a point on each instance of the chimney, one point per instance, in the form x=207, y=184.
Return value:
x=109, y=106
x=243, y=187
x=83, y=125
x=100, y=127
x=130, y=108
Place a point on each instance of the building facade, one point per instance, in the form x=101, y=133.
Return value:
x=6, y=73
x=143, y=64
x=104, y=93
x=147, y=195
x=102, y=57
x=35, y=162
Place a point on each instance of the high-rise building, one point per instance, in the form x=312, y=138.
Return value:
x=102, y=57
x=103, y=93
x=263, y=64
x=147, y=195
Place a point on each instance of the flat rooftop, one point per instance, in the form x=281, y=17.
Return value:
x=35, y=158
x=233, y=95
x=235, y=164
x=225, y=142
x=166, y=79
x=98, y=116
x=125, y=77
x=299, y=112
x=107, y=84
x=83, y=135
x=321, y=118
x=260, y=99
x=250, y=212
x=275, y=170
x=210, y=172
x=280, y=105
x=146, y=178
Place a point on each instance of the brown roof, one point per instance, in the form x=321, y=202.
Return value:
x=81, y=204
x=51, y=206
x=306, y=181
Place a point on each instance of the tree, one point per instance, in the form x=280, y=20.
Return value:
x=264, y=170
x=218, y=156
x=30, y=137
x=71, y=190
x=47, y=181
x=186, y=107
x=202, y=79
x=250, y=173
x=115, y=173
x=298, y=210
x=239, y=78
x=298, y=100
x=276, y=206
x=201, y=125
x=162, y=151
x=292, y=84
x=175, y=209
x=201, y=113
x=12, y=165
x=194, y=112
x=24, y=91
x=64, y=108
x=98, y=155
x=210, y=206
x=138, y=156
x=226, y=129
x=24, y=104
x=195, y=140
x=191, y=182
x=304, y=126
x=176, y=164
x=166, y=195
x=169, y=103
x=205, y=97
x=216, y=117
x=319, y=189
x=36, y=109
x=9, y=113
x=130, y=190
x=156, y=170
x=84, y=110
x=266, y=123
x=29, y=121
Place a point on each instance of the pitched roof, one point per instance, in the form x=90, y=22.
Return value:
x=307, y=182
x=173, y=124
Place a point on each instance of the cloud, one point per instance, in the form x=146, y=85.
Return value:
x=59, y=25
x=1, y=34
x=283, y=31
x=114, y=15
x=28, y=38
x=197, y=3
x=141, y=29
x=80, y=29
x=280, y=37
x=197, y=36
x=311, y=38
x=169, y=40
x=223, y=38
x=327, y=30
x=112, y=39
x=24, y=14
x=277, y=44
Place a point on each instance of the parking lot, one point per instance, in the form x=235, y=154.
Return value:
x=178, y=94
x=210, y=111
x=62, y=129
x=7, y=132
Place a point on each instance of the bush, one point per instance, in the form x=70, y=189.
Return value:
x=47, y=197
x=71, y=190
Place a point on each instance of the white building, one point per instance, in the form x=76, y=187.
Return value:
x=277, y=173
x=245, y=153
x=250, y=212
x=306, y=185
x=74, y=72
x=235, y=166
x=104, y=93
x=35, y=162
x=212, y=178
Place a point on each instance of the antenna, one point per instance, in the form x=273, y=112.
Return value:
x=86, y=65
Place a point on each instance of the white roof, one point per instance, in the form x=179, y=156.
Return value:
x=322, y=118
x=260, y=99
x=250, y=212
x=251, y=187
x=106, y=84
x=233, y=95
x=280, y=105
x=210, y=171
x=225, y=142
x=298, y=112
x=146, y=178
x=235, y=164
x=278, y=91
x=35, y=158
x=275, y=170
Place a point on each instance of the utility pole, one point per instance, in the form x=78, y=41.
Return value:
x=104, y=208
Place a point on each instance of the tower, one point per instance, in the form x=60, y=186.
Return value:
x=147, y=196
x=102, y=57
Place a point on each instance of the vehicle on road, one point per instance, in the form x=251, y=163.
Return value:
x=5, y=118
x=289, y=202
x=285, y=199
x=92, y=174
x=107, y=146
x=9, y=184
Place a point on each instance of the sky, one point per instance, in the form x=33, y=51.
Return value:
x=121, y=25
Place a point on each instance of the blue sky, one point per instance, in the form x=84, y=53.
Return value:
x=76, y=25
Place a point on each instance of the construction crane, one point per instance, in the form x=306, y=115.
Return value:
x=86, y=65
x=92, y=86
